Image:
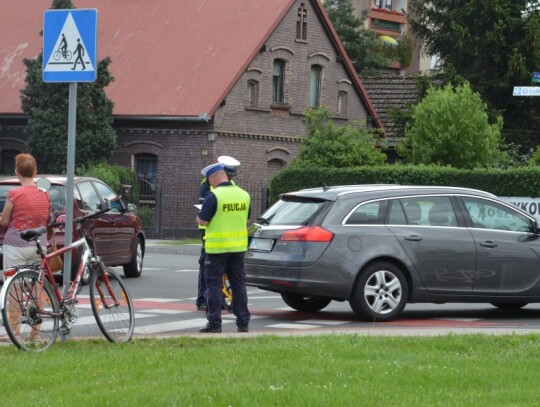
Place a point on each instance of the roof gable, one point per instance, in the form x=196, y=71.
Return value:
x=169, y=57
x=388, y=93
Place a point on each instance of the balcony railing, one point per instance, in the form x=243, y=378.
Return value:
x=387, y=15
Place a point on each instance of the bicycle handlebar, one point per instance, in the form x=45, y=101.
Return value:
x=34, y=234
x=81, y=219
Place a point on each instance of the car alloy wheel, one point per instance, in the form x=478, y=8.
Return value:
x=380, y=293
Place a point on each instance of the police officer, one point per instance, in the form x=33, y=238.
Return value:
x=225, y=212
x=230, y=166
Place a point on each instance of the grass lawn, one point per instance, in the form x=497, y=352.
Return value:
x=342, y=370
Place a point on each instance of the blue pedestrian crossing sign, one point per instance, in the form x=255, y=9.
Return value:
x=70, y=45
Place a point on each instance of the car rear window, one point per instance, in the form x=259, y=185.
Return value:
x=56, y=194
x=291, y=212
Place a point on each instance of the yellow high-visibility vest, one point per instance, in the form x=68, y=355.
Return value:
x=227, y=230
x=211, y=189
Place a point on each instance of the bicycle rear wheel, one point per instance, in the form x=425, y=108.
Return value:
x=111, y=304
x=28, y=321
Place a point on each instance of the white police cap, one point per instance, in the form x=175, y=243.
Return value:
x=228, y=161
x=210, y=169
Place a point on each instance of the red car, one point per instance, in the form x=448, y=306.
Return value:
x=117, y=236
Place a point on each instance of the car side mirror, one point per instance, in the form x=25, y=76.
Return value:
x=43, y=184
x=131, y=207
x=535, y=227
x=126, y=194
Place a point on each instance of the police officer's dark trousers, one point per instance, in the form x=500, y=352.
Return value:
x=231, y=264
x=201, y=292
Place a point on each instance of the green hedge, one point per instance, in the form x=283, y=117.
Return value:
x=519, y=181
x=115, y=176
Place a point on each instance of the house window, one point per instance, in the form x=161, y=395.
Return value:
x=301, y=24
x=378, y=3
x=342, y=103
x=253, y=93
x=389, y=4
x=278, y=82
x=7, y=164
x=315, y=86
x=146, y=170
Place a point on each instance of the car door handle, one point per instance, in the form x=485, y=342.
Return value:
x=488, y=243
x=413, y=238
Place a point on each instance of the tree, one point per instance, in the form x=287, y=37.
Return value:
x=361, y=45
x=494, y=45
x=450, y=127
x=328, y=145
x=46, y=105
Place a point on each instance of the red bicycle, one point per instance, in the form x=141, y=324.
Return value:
x=35, y=310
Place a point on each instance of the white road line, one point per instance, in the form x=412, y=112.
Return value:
x=266, y=297
x=162, y=311
x=232, y=316
x=91, y=320
x=322, y=322
x=292, y=326
x=174, y=326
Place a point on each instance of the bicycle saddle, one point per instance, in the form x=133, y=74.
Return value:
x=33, y=234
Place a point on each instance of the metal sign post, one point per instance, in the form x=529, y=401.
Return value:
x=70, y=55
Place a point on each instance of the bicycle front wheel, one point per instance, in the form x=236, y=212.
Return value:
x=29, y=319
x=111, y=304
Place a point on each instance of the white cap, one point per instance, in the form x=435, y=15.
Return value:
x=210, y=169
x=228, y=161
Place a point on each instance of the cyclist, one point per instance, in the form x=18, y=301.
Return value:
x=63, y=46
x=26, y=208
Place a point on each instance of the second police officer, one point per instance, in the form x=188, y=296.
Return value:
x=224, y=212
x=230, y=166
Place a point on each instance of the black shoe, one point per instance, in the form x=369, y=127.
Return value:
x=243, y=328
x=209, y=329
x=202, y=307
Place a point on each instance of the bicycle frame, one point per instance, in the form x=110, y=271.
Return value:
x=45, y=272
x=71, y=292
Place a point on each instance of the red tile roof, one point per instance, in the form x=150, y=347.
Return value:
x=169, y=57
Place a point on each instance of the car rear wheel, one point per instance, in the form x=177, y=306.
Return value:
x=381, y=292
x=305, y=303
x=134, y=267
x=509, y=305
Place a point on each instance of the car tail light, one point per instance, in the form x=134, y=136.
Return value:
x=308, y=234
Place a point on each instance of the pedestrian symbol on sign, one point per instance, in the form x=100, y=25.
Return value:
x=80, y=53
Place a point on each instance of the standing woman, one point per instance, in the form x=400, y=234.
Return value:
x=26, y=208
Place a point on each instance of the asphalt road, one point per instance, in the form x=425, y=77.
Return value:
x=173, y=273
x=164, y=300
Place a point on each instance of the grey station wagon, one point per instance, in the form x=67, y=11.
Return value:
x=383, y=246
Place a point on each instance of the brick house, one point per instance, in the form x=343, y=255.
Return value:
x=194, y=80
